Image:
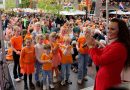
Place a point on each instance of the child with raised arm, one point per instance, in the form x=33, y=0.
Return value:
x=66, y=61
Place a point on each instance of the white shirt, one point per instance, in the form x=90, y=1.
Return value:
x=39, y=51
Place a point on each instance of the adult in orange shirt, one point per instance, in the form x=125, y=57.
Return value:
x=27, y=61
x=16, y=44
x=46, y=59
x=66, y=61
x=82, y=57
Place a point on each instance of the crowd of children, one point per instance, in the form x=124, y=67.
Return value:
x=51, y=47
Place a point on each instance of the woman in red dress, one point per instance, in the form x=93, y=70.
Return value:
x=114, y=57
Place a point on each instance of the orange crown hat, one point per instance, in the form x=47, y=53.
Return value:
x=28, y=36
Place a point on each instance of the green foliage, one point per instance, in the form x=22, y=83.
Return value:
x=24, y=4
x=10, y=4
x=49, y=6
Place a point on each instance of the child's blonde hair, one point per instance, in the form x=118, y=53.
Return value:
x=37, y=24
x=67, y=38
x=15, y=28
x=38, y=37
x=53, y=35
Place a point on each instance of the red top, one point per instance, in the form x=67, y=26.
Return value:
x=111, y=61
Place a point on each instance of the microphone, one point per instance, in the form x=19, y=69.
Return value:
x=85, y=44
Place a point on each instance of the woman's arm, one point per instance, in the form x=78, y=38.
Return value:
x=111, y=55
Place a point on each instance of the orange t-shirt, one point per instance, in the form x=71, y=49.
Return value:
x=17, y=42
x=27, y=55
x=55, y=47
x=66, y=58
x=47, y=65
x=9, y=55
x=82, y=41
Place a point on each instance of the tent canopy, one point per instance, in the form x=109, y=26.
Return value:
x=120, y=12
x=74, y=12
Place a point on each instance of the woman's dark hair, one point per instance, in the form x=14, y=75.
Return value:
x=124, y=37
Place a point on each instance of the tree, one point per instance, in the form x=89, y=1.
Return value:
x=50, y=6
x=25, y=4
x=10, y=4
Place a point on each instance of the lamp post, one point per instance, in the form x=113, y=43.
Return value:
x=20, y=1
x=2, y=55
x=107, y=14
x=4, y=4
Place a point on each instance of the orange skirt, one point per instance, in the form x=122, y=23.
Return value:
x=27, y=69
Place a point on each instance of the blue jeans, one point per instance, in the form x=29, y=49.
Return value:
x=90, y=60
x=65, y=71
x=38, y=67
x=47, y=73
x=82, y=65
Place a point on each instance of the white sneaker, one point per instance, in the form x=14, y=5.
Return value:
x=79, y=81
x=68, y=82
x=55, y=80
x=21, y=78
x=73, y=69
x=63, y=83
x=17, y=79
x=85, y=78
x=44, y=87
x=51, y=86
